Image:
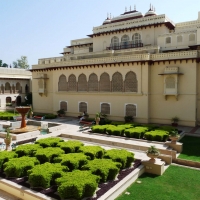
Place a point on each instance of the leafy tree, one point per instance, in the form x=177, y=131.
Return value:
x=5, y=65
x=21, y=63
x=1, y=63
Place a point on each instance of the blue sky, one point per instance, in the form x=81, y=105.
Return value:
x=42, y=28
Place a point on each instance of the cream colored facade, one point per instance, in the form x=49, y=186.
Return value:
x=145, y=66
x=13, y=85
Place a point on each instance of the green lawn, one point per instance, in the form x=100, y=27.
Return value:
x=177, y=183
x=191, y=148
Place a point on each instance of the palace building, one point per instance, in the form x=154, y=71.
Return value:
x=140, y=65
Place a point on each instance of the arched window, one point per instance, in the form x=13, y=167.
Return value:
x=63, y=105
x=136, y=38
x=104, y=83
x=168, y=40
x=93, y=83
x=18, y=86
x=117, y=82
x=130, y=83
x=170, y=82
x=83, y=107
x=62, y=84
x=115, y=43
x=124, y=41
x=192, y=37
x=130, y=110
x=72, y=83
x=105, y=108
x=7, y=88
x=179, y=38
x=82, y=83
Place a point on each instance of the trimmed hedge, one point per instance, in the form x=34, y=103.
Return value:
x=120, y=155
x=137, y=132
x=77, y=185
x=92, y=151
x=157, y=135
x=49, y=142
x=48, y=154
x=5, y=156
x=50, y=116
x=72, y=160
x=167, y=128
x=106, y=169
x=18, y=167
x=45, y=175
x=27, y=149
x=71, y=146
x=100, y=128
x=118, y=131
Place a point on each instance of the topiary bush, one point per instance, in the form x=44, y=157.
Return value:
x=77, y=185
x=106, y=169
x=92, y=151
x=120, y=155
x=157, y=135
x=72, y=160
x=136, y=132
x=99, y=128
x=43, y=176
x=71, y=146
x=27, y=150
x=5, y=156
x=18, y=167
x=49, y=142
x=50, y=116
x=48, y=154
x=114, y=130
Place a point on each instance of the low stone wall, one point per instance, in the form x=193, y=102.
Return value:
x=189, y=163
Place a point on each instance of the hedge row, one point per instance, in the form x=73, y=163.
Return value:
x=134, y=130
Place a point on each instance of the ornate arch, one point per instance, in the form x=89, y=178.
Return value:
x=72, y=83
x=62, y=83
x=82, y=83
x=130, y=83
x=93, y=83
x=104, y=83
x=117, y=82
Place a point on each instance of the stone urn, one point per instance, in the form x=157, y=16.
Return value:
x=173, y=139
x=97, y=119
x=152, y=156
x=152, y=153
x=7, y=142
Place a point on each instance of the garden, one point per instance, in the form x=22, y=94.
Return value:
x=137, y=131
x=55, y=165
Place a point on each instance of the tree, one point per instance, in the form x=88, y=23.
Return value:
x=21, y=63
x=1, y=63
x=5, y=65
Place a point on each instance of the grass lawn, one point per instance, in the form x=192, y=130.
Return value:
x=191, y=148
x=177, y=183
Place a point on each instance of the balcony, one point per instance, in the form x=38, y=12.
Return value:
x=124, y=46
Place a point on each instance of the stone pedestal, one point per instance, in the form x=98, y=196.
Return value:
x=154, y=168
x=175, y=146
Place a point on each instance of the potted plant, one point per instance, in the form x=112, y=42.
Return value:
x=174, y=136
x=8, y=139
x=175, y=121
x=152, y=153
x=61, y=113
x=97, y=118
x=128, y=118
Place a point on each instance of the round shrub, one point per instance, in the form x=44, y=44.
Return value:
x=49, y=142
x=27, y=149
x=70, y=146
x=5, y=156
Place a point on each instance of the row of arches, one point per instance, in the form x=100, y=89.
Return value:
x=105, y=108
x=191, y=38
x=8, y=88
x=130, y=84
